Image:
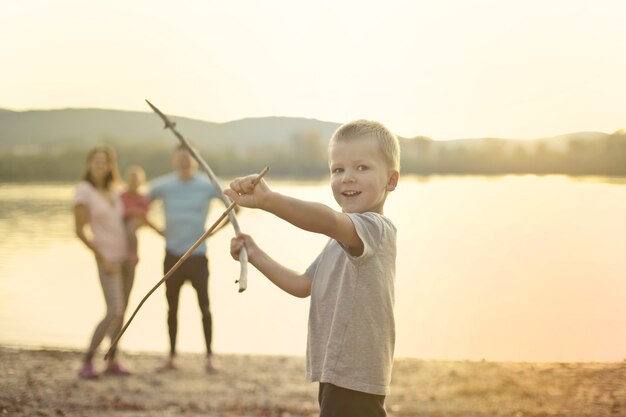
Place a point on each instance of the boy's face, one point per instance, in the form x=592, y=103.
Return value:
x=360, y=177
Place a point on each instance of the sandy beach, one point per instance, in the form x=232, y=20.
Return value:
x=43, y=382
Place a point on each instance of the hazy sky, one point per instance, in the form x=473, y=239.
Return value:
x=446, y=69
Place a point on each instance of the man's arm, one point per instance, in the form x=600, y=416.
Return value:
x=153, y=226
x=151, y=197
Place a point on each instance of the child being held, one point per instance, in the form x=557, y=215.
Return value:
x=136, y=206
x=351, y=333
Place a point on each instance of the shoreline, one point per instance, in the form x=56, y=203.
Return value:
x=44, y=382
x=162, y=353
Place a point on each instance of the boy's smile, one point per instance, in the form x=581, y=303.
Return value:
x=360, y=177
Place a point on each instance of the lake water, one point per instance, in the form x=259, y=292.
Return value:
x=505, y=268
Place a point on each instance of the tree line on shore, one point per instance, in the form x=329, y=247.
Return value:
x=306, y=157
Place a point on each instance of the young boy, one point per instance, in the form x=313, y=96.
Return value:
x=351, y=283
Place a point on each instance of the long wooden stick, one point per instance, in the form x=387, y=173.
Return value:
x=182, y=259
x=243, y=255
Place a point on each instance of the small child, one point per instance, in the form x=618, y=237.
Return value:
x=351, y=283
x=136, y=207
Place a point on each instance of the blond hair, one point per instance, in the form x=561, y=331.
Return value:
x=388, y=142
x=135, y=169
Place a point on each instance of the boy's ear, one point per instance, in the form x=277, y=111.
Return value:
x=393, y=181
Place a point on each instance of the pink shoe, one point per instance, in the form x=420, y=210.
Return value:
x=88, y=372
x=117, y=369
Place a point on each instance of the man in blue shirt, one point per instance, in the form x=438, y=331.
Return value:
x=186, y=197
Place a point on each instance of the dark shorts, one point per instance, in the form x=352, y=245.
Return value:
x=342, y=402
x=196, y=270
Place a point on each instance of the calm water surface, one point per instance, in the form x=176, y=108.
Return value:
x=508, y=268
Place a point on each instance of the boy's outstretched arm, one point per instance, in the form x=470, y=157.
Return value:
x=287, y=280
x=313, y=217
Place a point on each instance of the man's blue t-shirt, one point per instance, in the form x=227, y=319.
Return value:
x=186, y=205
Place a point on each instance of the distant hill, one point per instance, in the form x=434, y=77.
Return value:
x=72, y=127
x=83, y=127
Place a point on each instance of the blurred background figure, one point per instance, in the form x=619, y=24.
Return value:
x=136, y=206
x=186, y=197
x=97, y=203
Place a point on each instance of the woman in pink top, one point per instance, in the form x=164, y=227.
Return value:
x=98, y=204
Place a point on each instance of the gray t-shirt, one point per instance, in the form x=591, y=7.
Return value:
x=351, y=324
